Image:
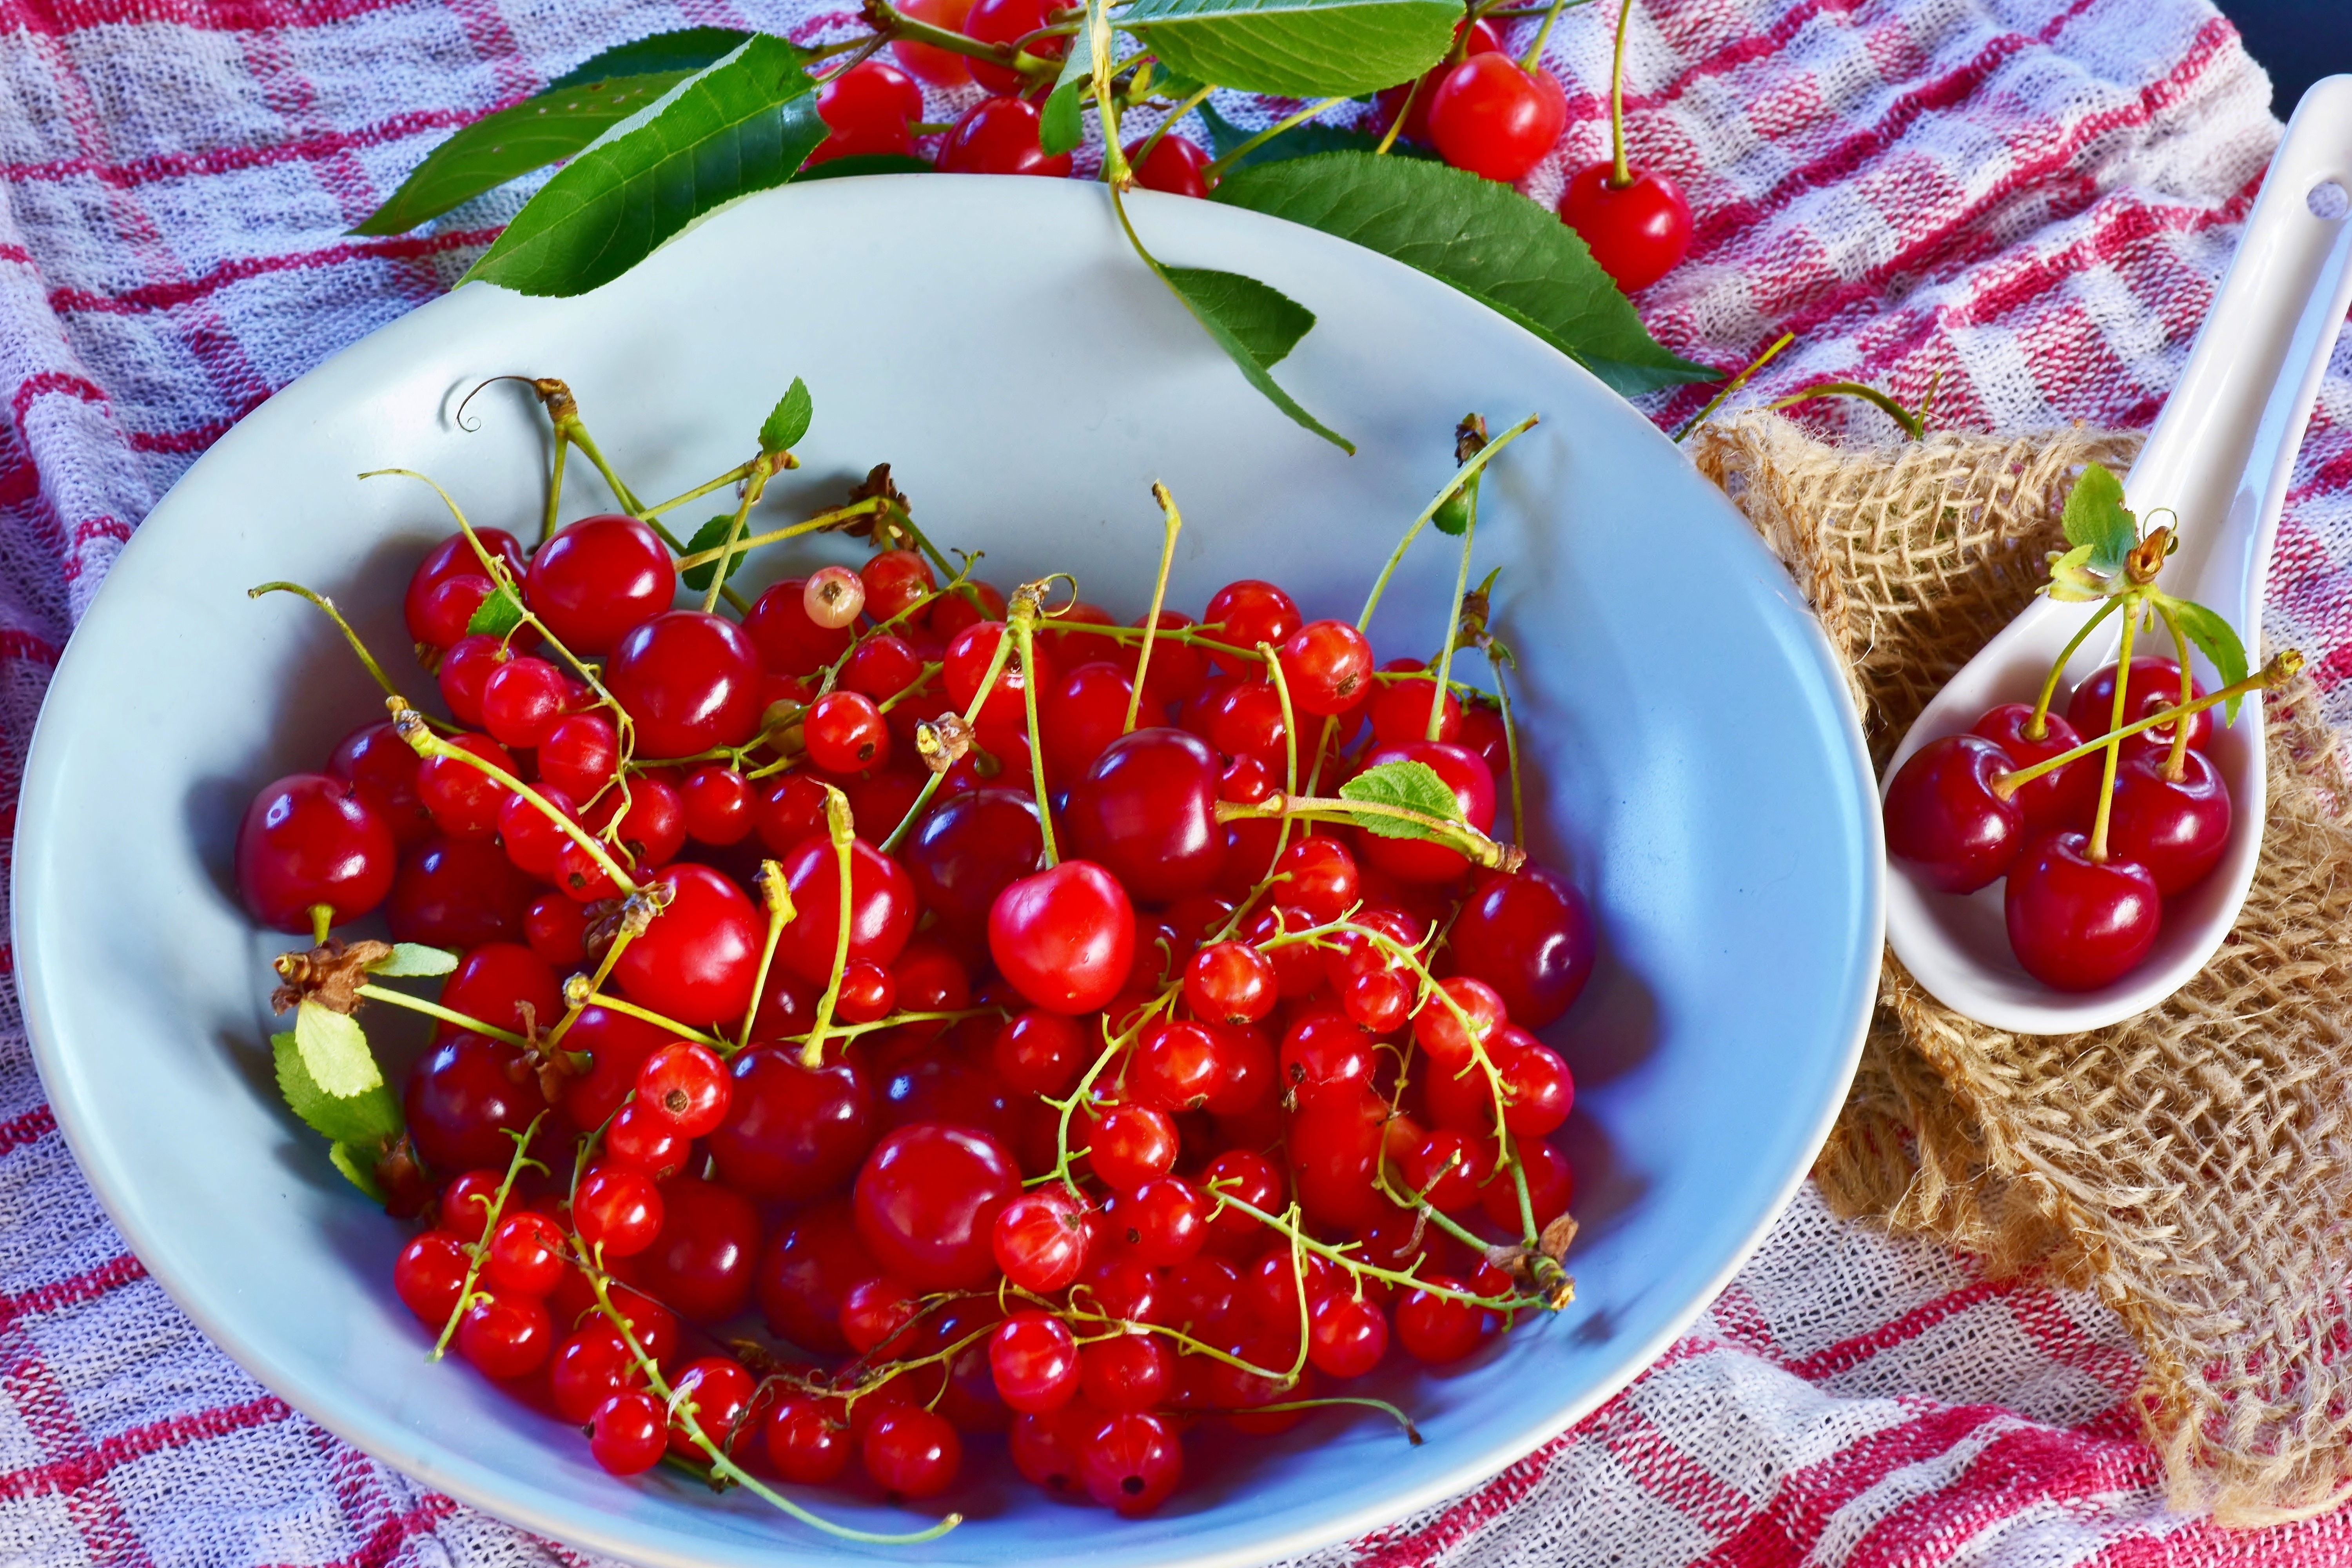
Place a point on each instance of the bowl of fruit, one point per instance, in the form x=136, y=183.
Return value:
x=1042, y=965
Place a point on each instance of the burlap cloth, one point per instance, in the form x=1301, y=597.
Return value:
x=2190, y=1162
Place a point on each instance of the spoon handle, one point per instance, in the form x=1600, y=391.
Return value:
x=2224, y=448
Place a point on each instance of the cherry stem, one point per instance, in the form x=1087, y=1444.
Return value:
x=434, y=1010
x=570, y=423
x=579, y=992
x=1459, y=837
x=734, y=475
x=779, y=900
x=841, y=829
x=763, y=467
x=1731, y=388
x=1171, y=523
x=1510, y=742
x=2036, y=727
x=554, y=487
x=1218, y=165
x=322, y=920
x=898, y=1020
x=336, y=615
x=996, y=662
x=1462, y=475
x=821, y=522
x=1396, y=126
x=1025, y=627
x=1289, y=738
x=2281, y=668
x=1454, y=616
x=1533, y=59
x=475, y=1251
x=1620, y=173
x=1912, y=427
x=409, y=724
x=888, y=19
x=645, y=1014
x=2175, y=763
x=2097, y=850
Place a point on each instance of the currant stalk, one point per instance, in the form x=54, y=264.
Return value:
x=475, y=1251
x=410, y=726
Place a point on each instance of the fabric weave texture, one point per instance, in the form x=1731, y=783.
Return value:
x=2028, y=202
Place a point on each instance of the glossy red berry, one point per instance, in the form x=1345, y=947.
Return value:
x=311, y=839
x=866, y=110
x=1174, y=165
x=845, y=733
x=1440, y=1028
x=522, y=701
x=1637, y=232
x=791, y=1131
x=929, y=62
x=581, y=754
x=2074, y=923
x=436, y=621
x=1945, y=819
x=1039, y=1239
x=909, y=1450
x=590, y=1368
x=381, y=768
x=1400, y=710
x=1482, y=40
x=594, y=579
x=1345, y=1334
x=881, y=908
x=1494, y=118
x=1034, y=1362
x=2066, y=798
x=457, y=893
x=717, y=803
x=2178, y=829
x=505, y=1334
x=464, y=674
x=999, y=136
x=629, y=1434
x=1438, y=1329
x=528, y=1254
x=465, y=802
x=429, y=1276
x=808, y=1442
x=789, y=643
x=689, y=680
x=1064, y=938
x=1127, y=1145
x=1165, y=1221
x=1005, y=22
x=464, y=1099
x=698, y=958
x=1146, y=811
x=2155, y=686
x=1421, y=860
x=1247, y=613
x=685, y=1085
x=1230, y=983
x=617, y=1208
x=927, y=1202
x=1530, y=935
x=720, y=1390
x=646, y=1141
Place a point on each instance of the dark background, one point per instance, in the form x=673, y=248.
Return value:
x=2297, y=41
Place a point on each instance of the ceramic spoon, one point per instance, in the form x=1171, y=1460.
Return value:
x=2219, y=458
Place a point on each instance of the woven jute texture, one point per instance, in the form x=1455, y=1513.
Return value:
x=2193, y=1162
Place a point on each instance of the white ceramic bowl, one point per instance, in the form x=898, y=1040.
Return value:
x=1693, y=764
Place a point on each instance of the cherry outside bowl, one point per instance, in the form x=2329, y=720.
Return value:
x=1694, y=765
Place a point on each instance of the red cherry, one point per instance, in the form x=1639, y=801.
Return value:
x=1147, y=812
x=1034, y=1362
x=792, y=1132
x=1080, y=715
x=1636, y=232
x=629, y=1434
x=881, y=912
x=1064, y=938
x=689, y=680
x=1493, y=118
x=1246, y=721
x=866, y=109
x=2176, y=828
x=457, y=893
x=311, y=839
x=806, y=1272
x=927, y=1202
x=1484, y=40
x=439, y=623
x=381, y=768
x=789, y=643
x=580, y=755
x=2067, y=798
x=1039, y=1239
x=462, y=1101
x=594, y=579
x=505, y=986
x=1174, y=165
x=1005, y=22
x=617, y=1045
x=1420, y=860
x=701, y=1263
x=1943, y=820
x=2074, y=923
x=999, y=136
x=929, y=62
x=1400, y=710
x=2155, y=686
x=698, y=959
x=1530, y=935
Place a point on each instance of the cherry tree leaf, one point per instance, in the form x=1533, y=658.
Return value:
x=1415, y=786
x=410, y=958
x=355, y=1165
x=684, y=50
x=1299, y=142
x=2096, y=517
x=333, y=1050
x=366, y=1118
x=1296, y=48
x=2216, y=640
x=1510, y=254
x=506, y=146
x=709, y=536
x=744, y=124
x=496, y=615
x=1256, y=325
x=789, y=420
x=850, y=166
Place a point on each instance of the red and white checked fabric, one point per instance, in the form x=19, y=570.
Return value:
x=2033, y=197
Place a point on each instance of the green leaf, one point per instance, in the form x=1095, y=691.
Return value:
x=743, y=125
x=334, y=1052
x=496, y=615
x=849, y=165
x=2072, y=581
x=1296, y=48
x=2095, y=516
x=788, y=421
x=504, y=146
x=367, y=1118
x=1452, y=515
x=1484, y=238
x=354, y=1165
x=1413, y=785
x=709, y=536
x=2216, y=640
x=413, y=958
x=1063, y=126
x=1175, y=86
x=686, y=51
x=1256, y=326
x=1298, y=142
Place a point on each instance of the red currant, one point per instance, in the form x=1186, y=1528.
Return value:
x=808, y=1441
x=1345, y=1334
x=429, y=1276
x=1039, y=1240
x=716, y=802
x=629, y=1434
x=908, y=1450
x=617, y=1208
x=1034, y=1362
x=1437, y=1329
x=1328, y=666
x=505, y=1334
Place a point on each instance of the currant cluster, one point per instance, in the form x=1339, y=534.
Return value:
x=1481, y=108
x=2096, y=816
x=1050, y=1026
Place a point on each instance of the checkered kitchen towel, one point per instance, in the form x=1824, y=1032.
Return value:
x=2034, y=198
